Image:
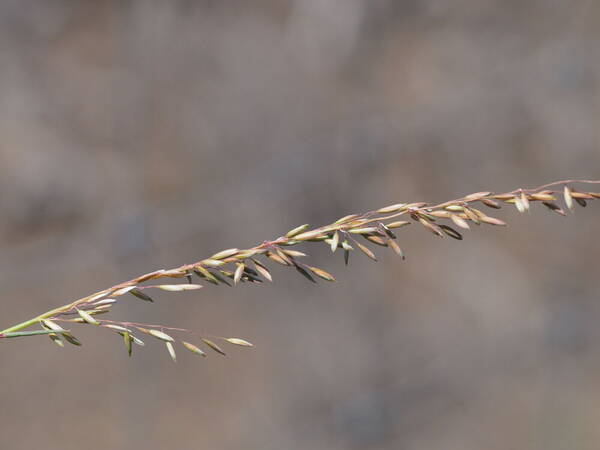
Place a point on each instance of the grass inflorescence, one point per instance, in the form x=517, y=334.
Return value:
x=347, y=235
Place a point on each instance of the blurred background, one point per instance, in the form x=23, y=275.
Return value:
x=146, y=134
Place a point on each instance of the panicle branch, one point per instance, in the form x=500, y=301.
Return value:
x=235, y=266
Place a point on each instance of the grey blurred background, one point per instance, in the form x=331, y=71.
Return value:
x=147, y=134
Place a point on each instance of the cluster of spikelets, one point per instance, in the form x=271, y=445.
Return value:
x=234, y=266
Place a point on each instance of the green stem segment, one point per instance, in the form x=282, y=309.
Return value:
x=26, y=333
x=30, y=322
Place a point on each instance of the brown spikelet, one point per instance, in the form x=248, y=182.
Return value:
x=238, y=273
x=209, y=262
x=220, y=276
x=451, y=232
x=71, y=339
x=390, y=234
x=476, y=196
x=398, y=224
x=278, y=259
x=292, y=253
x=346, y=218
x=321, y=273
x=431, y=226
x=309, y=235
x=490, y=203
x=240, y=342
x=492, y=221
x=205, y=274
x=305, y=273
x=554, y=207
x=139, y=294
x=364, y=230
x=225, y=253
x=543, y=197
x=262, y=270
x=286, y=256
x=192, y=348
x=297, y=230
x=157, y=334
x=366, y=251
x=87, y=317
x=471, y=215
x=213, y=346
x=378, y=240
x=459, y=221
x=394, y=246
x=392, y=208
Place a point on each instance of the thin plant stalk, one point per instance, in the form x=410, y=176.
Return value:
x=235, y=266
